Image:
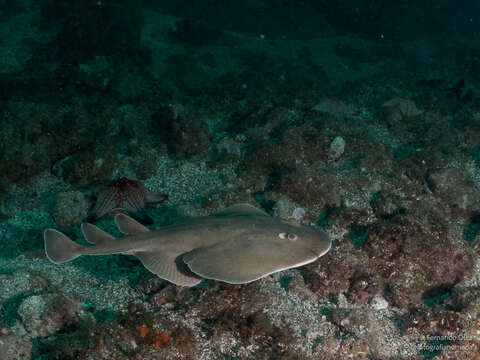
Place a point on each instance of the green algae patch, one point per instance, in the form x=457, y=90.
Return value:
x=434, y=347
x=328, y=312
x=437, y=296
x=105, y=315
x=476, y=155
x=358, y=234
x=399, y=321
x=472, y=229
x=285, y=281
x=18, y=239
x=317, y=341
x=9, y=309
x=324, y=218
x=404, y=151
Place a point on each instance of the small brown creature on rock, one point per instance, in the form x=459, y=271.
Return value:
x=126, y=196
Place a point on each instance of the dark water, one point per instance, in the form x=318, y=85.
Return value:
x=360, y=118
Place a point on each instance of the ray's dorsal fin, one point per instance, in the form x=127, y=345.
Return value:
x=241, y=209
x=95, y=235
x=129, y=226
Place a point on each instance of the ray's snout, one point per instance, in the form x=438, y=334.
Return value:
x=316, y=240
x=323, y=244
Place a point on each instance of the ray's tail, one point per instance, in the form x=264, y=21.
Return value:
x=59, y=248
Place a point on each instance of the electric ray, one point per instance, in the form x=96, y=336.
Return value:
x=237, y=245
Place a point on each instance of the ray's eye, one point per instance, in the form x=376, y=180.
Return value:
x=289, y=236
x=292, y=237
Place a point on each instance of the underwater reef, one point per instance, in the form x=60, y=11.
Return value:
x=361, y=119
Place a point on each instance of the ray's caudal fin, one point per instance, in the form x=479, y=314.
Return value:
x=59, y=248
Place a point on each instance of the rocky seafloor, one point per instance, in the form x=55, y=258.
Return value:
x=376, y=142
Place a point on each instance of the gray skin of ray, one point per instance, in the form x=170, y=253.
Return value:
x=200, y=232
x=238, y=245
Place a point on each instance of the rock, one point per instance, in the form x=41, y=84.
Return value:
x=412, y=260
x=387, y=206
x=229, y=146
x=363, y=287
x=336, y=149
x=130, y=85
x=315, y=191
x=335, y=272
x=70, y=208
x=287, y=209
x=298, y=213
x=13, y=347
x=456, y=187
x=15, y=282
x=379, y=303
x=283, y=207
x=128, y=122
x=370, y=331
x=169, y=293
x=335, y=107
x=43, y=315
x=404, y=107
x=84, y=168
x=186, y=134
